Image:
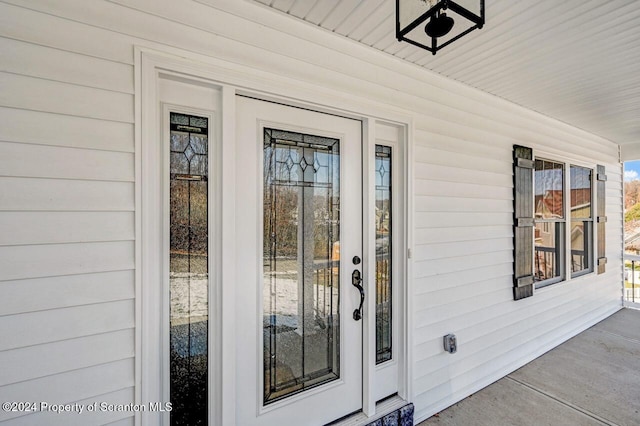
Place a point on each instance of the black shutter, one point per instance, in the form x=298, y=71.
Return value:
x=522, y=222
x=601, y=218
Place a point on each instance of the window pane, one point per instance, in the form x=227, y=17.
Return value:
x=383, y=254
x=549, y=199
x=580, y=246
x=301, y=262
x=548, y=250
x=581, y=239
x=188, y=269
x=580, y=192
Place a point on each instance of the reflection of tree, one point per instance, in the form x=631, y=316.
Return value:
x=188, y=216
x=281, y=215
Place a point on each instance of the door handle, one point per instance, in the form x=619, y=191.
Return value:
x=356, y=280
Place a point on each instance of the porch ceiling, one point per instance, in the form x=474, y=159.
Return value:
x=575, y=60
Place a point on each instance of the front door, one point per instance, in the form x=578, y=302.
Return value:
x=299, y=244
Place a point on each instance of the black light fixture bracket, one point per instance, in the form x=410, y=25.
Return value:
x=438, y=25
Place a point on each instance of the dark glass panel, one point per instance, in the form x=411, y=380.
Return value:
x=383, y=254
x=188, y=270
x=300, y=262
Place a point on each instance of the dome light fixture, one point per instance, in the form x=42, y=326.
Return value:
x=441, y=29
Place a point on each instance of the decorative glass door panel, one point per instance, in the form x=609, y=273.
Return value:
x=384, y=319
x=188, y=269
x=301, y=292
x=299, y=209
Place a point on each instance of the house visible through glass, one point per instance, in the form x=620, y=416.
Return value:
x=581, y=219
x=549, y=220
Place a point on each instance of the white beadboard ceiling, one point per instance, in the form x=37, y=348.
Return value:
x=575, y=60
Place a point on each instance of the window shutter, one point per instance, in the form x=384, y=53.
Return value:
x=601, y=218
x=522, y=222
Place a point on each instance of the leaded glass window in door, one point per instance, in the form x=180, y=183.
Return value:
x=188, y=269
x=301, y=254
x=383, y=253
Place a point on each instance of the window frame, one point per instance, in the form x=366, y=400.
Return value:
x=560, y=230
x=566, y=274
x=590, y=258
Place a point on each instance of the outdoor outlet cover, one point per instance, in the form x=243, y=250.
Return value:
x=450, y=343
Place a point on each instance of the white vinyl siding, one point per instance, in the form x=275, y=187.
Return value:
x=67, y=200
x=66, y=221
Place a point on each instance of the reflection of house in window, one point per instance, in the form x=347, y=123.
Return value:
x=548, y=207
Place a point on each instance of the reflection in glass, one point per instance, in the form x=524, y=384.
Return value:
x=188, y=269
x=549, y=219
x=383, y=253
x=549, y=192
x=301, y=254
x=548, y=259
x=581, y=219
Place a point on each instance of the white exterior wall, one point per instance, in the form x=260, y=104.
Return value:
x=67, y=202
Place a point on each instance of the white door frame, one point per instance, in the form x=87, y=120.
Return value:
x=235, y=79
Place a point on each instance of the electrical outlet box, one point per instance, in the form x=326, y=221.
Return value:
x=450, y=343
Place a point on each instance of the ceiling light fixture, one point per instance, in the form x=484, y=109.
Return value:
x=441, y=29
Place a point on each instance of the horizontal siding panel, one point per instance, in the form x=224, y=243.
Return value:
x=462, y=190
x=449, y=312
x=454, y=174
x=454, y=294
x=496, y=344
x=66, y=355
x=21, y=228
x=462, y=234
x=461, y=160
x=457, y=204
x=441, y=266
x=19, y=125
x=459, y=249
x=54, y=64
x=461, y=278
x=71, y=386
x=30, y=93
x=462, y=219
x=18, y=262
x=28, y=25
x=66, y=195
x=36, y=328
x=477, y=338
x=123, y=418
x=468, y=145
x=546, y=302
x=40, y=294
x=26, y=160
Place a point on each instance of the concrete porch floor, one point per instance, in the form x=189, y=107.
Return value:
x=592, y=379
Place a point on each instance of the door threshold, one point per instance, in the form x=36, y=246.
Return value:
x=393, y=407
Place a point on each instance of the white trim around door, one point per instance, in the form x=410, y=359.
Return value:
x=225, y=400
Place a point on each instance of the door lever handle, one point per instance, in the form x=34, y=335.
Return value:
x=356, y=280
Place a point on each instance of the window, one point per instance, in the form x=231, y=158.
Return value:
x=581, y=221
x=545, y=200
x=383, y=254
x=549, y=222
